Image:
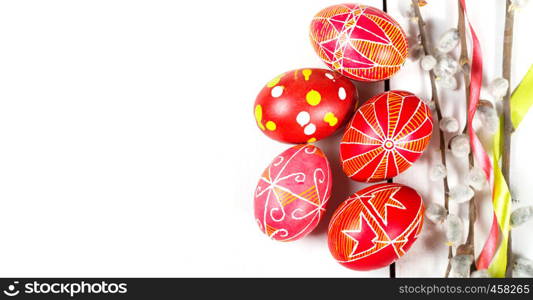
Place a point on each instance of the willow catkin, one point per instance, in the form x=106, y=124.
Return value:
x=522, y=267
x=461, y=193
x=498, y=87
x=476, y=178
x=521, y=215
x=460, y=145
x=436, y=213
x=446, y=66
x=448, y=40
x=454, y=230
x=428, y=62
x=461, y=266
x=480, y=274
x=448, y=124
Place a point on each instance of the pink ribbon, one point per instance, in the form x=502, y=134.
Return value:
x=476, y=76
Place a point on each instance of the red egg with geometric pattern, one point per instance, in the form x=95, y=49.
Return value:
x=359, y=41
x=375, y=226
x=305, y=105
x=292, y=193
x=385, y=136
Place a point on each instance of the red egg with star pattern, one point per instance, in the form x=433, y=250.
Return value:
x=375, y=226
x=385, y=136
x=305, y=105
x=291, y=195
x=361, y=42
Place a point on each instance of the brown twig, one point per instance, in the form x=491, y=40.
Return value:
x=465, y=66
x=507, y=122
x=435, y=99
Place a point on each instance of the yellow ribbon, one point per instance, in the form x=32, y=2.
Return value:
x=521, y=101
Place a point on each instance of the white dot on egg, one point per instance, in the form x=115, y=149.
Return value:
x=330, y=76
x=310, y=129
x=276, y=91
x=303, y=118
x=342, y=93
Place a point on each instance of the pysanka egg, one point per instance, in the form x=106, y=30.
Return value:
x=292, y=193
x=304, y=105
x=385, y=136
x=359, y=41
x=375, y=226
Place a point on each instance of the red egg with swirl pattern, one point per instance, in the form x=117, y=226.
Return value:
x=385, y=136
x=292, y=193
x=305, y=105
x=359, y=41
x=375, y=226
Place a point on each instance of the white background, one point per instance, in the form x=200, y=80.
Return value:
x=128, y=145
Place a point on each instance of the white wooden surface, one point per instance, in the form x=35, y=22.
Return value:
x=128, y=145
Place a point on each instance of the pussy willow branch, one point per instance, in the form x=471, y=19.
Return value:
x=465, y=66
x=507, y=122
x=435, y=98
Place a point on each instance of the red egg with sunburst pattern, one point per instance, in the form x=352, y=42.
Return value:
x=375, y=226
x=292, y=193
x=385, y=136
x=359, y=41
x=305, y=105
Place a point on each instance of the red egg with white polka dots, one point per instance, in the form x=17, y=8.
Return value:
x=305, y=105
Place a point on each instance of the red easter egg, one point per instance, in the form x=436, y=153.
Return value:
x=375, y=226
x=359, y=41
x=385, y=136
x=304, y=105
x=292, y=193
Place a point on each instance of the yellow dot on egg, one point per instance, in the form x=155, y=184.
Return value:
x=331, y=119
x=313, y=97
x=306, y=73
x=275, y=81
x=271, y=126
x=259, y=116
x=311, y=140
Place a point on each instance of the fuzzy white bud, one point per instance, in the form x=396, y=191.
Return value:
x=522, y=267
x=447, y=82
x=521, y=215
x=460, y=145
x=460, y=266
x=448, y=40
x=461, y=193
x=449, y=125
x=446, y=66
x=476, y=178
x=436, y=213
x=480, y=274
x=428, y=62
x=498, y=87
x=489, y=118
x=454, y=230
